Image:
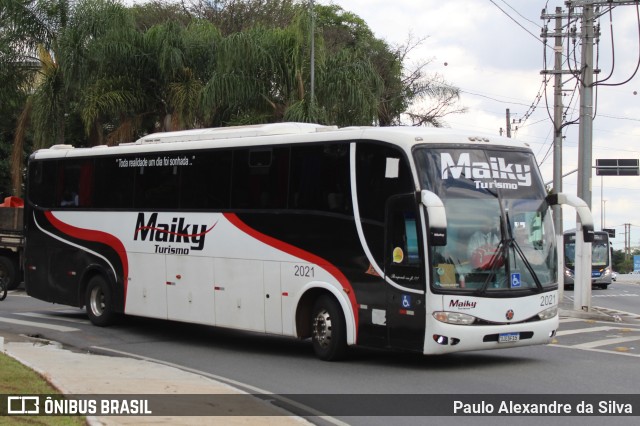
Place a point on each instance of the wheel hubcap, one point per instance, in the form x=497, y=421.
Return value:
x=322, y=328
x=97, y=301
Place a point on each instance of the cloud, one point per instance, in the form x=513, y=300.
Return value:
x=497, y=64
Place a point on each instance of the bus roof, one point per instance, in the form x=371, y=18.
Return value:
x=279, y=133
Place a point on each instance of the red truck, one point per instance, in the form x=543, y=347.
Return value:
x=11, y=241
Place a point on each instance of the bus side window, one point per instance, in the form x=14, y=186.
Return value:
x=320, y=178
x=75, y=183
x=206, y=184
x=407, y=236
x=382, y=173
x=113, y=183
x=42, y=183
x=403, y=261
x=260, y=178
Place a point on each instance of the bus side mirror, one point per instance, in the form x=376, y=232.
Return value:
x=581, y=208
x=437, y=218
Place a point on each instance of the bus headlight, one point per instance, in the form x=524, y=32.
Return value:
x=454, y=318
x=548, y=313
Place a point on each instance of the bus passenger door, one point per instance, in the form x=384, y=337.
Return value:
x=190, y=289
x=404, y=265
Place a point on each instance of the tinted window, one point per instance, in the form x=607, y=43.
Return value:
x=260, y=178
x=42, y=182
x=157, y=187
x=113, y=183
x=206, y=183
x=320, y=178
x=74, y=186
x=382, y=172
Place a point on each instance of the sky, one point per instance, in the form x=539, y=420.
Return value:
x=492, y=51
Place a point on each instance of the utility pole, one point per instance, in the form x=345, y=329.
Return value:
x=585, y=132
x=627, y=241
x=582, y=295
x=557, y=145
x=508, y=123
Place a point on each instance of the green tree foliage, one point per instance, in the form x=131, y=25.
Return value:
x=89, y=72
x=621, y=263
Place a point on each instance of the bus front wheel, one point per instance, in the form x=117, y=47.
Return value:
x=98, y=302
x=328, y=329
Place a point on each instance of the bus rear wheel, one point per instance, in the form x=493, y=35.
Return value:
x=328, y=329
x=98, y=302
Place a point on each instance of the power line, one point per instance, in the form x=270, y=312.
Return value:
x=515, y=20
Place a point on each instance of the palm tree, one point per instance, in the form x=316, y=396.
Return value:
x=262, y=75
x=49, y=42
x=29, y=31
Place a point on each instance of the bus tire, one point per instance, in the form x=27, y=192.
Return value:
x=8, y=273
x=98, y=302
x=328, y=329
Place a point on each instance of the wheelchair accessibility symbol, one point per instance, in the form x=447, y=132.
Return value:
x=406, y=301
x=515, y=280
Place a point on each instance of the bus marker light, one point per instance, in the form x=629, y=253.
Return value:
x=441, y=340
x=440, y=316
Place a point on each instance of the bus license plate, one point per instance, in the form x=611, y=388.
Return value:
x=508, y=337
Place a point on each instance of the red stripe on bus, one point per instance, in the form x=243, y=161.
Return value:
x=97, y=236
x=302, y=254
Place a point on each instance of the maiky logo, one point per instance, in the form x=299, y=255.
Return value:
x=462, y=304
x=176, y=231
x=486, y=175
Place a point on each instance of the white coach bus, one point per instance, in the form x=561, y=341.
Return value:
x=354, y=236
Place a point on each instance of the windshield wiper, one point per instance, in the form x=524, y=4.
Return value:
x=495, y=264
x=513, y=243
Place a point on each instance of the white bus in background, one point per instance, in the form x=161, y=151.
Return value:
x=601, y=257
x=354, y=236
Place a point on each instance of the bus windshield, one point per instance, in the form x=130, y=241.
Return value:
x=599, y=250
x=499, y=227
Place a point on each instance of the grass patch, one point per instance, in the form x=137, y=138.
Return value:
x=17, y=379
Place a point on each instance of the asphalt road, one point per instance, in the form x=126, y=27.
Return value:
x=587, y=358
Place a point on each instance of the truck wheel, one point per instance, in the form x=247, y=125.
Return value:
x=98, y=302
x=8, y=273
x=328, y=329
